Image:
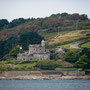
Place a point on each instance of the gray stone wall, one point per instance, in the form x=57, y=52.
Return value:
x=41, y=56
x=36, y=52
x=41, y=73
x=22, y=56
x=36, y=49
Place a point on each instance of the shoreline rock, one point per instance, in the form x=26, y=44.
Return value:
x=44, y=77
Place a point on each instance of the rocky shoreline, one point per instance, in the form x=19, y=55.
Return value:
x=44, y=77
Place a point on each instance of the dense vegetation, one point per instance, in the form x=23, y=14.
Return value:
x=80, y=58
x=9, y=45
x=59, y=30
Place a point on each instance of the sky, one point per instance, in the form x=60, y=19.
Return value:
x=12, y=9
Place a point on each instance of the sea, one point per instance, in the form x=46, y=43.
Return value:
x=44, y=84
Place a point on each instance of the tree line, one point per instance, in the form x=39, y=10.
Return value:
x=51, y=21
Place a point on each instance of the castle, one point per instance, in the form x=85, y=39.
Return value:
x=36, y=52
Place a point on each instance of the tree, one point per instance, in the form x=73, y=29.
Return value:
x=71, y=56
x=48, y=65
x=3, y=23
x=16, y=22
x=64, y=15
x=29, y=38
x=86, y=51
x=7, y=45
x=84, y=17
x=14, y=51
x=83, y=62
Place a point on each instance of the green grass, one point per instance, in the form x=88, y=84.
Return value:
x=27, y=65
x=55, y=38
x=3, y=62
x=68, y=45
x=49, y=36
x=67, y=69
x=86, y=45
x=87, y=69
x=65, y=46
x=9, y=62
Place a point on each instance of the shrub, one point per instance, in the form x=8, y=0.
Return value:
x=48, y=65
x=71, y=56
x=15, y=51
x=83, y=62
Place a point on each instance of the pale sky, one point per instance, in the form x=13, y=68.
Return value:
x=12, y=9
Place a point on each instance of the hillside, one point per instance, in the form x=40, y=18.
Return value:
x=66, y=38
x=58, y=30
x=54, y=23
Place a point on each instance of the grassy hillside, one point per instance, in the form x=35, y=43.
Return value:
x=66, y=38
x=57, y=32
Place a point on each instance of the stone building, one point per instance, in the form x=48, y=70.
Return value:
x=60, y=51
x=35, y=52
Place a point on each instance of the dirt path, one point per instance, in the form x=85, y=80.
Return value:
x=75, y=45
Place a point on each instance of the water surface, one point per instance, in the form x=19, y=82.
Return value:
x=44, y=84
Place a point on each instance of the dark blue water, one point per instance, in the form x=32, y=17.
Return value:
x=44, y=84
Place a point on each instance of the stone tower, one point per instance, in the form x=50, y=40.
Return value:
x=43, y=43
x=35, y=52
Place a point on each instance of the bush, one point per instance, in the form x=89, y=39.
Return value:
x=83, y=62
x=48, y=65
x=14, y=51
x=71, y=56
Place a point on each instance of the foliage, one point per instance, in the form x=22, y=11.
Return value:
x=11, y=45
x=29, y=38
x=25, y=66
x=67, y=69
x=85, y=45
x=7, y=45
x=16, y=22
x=48, y=65
x=58, y=56
x=71, y=56
x=86, y=51
x=3, y=23
x=15, y=51
x=83, y=62
x=54, y=23
x=66, y=64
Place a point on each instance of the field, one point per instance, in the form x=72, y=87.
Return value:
x=66, y=38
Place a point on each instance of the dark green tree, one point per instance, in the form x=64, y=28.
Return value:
x=3, y=23
x=29, y=38
x=84, y=17
x=15, y=51
x=7, y=45
x=71, y=56
x=16, y=22
x=86, y=51
x=83, y=62
x=48, y=65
